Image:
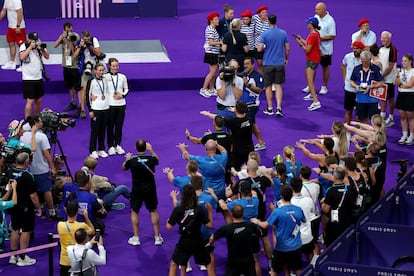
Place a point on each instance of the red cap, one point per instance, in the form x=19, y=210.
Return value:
x=362, y=21
x=211, y=15
x=246, y=13
x=261, y=8
x=358, y=44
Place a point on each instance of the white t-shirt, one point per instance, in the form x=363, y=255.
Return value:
x=39, y=164
x=328, y=28
x=229, y=99
x=405, y=77
x=31, y=65
x=311, y=189
x=384, y=55
x=87, y=52
x=12, y=6
x=308, y=208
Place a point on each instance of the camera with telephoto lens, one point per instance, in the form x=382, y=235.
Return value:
x=88, y=43
x=53, y=121
x=88, y=68
x=9, y=153
x=72, y=36
x=228, y=73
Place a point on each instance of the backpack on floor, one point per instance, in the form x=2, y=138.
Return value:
x=83, y=267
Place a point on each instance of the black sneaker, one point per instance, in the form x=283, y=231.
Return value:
x=279, y=112
x=82, y=115
x=71, y=106
x=268, y=111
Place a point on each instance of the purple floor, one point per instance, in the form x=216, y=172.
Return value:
x=161, y=117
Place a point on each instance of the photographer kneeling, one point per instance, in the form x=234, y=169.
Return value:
x=229, y=89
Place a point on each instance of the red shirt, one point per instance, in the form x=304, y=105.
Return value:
x=315, y=53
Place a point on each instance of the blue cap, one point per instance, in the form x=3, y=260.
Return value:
x=313, y=20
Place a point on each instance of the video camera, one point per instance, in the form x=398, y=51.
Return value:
x=88, y=67
x=53, y=121
x=228, y=73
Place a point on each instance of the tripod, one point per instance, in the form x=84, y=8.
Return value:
x=54, y=141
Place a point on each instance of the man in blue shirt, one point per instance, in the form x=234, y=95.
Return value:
x=253, y=86
x=365, y=77
x=275, y=44
x=286, y=219
x=212, y=166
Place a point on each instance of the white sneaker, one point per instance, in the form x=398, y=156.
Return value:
x=402, y=140
x=12, y=260
x=158, y=240
x=410, y=140
x=134, y=240
x=26, y=261
x=260, y=146
x=306, y=89
x=324, y=90
x=19, y=69
x=308, y=97
x=119, y=150
x=188, y=268
x=389, y=122
x=205, y=93
x=9, y=66
x=94, y=154
x=102, y=153
x=212, y=92
x=314, y=106
x=111, y=151
x=203, y=267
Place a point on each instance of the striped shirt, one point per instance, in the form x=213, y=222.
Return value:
x=259, y=27
x=248, y=30
x=211, y=33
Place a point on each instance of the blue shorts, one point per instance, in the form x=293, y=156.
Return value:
x=44, y=182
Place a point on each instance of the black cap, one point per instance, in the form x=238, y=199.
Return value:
x=33, y=36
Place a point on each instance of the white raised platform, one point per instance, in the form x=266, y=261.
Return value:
x=126, y=51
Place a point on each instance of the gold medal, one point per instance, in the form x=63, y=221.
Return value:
x=103, y=97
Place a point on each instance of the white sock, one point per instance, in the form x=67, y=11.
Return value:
x=391, y=117
x=383, y=114
x=405, y=134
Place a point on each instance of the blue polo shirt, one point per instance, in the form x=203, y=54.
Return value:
x=360, y=76
x=250, y=207
x=213, y=169
x=255, y=79
x=286, y=218
x=275, y=40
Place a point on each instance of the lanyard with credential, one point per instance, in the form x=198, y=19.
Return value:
x=115, y=84
x=343, y=197
x=144, y=164
x=102, y=88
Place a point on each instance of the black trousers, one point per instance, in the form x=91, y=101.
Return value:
x=98, y=128
x=115, y=124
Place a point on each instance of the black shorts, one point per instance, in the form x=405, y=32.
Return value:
x=308, y=248
x=315, y=228
x=273, y=74
x=252, y=111
x=33, y=89
x=326, y=60
x=22, y=219
x=293, y=259
x=349, y=100
x=247, y=269
x=366, y=110
x=187, y=247
x=390, y=90
x=71, y=78
x=211, y=59
x=258, y=55
x=250, y=53
x=405, y=101
x=149, y=198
